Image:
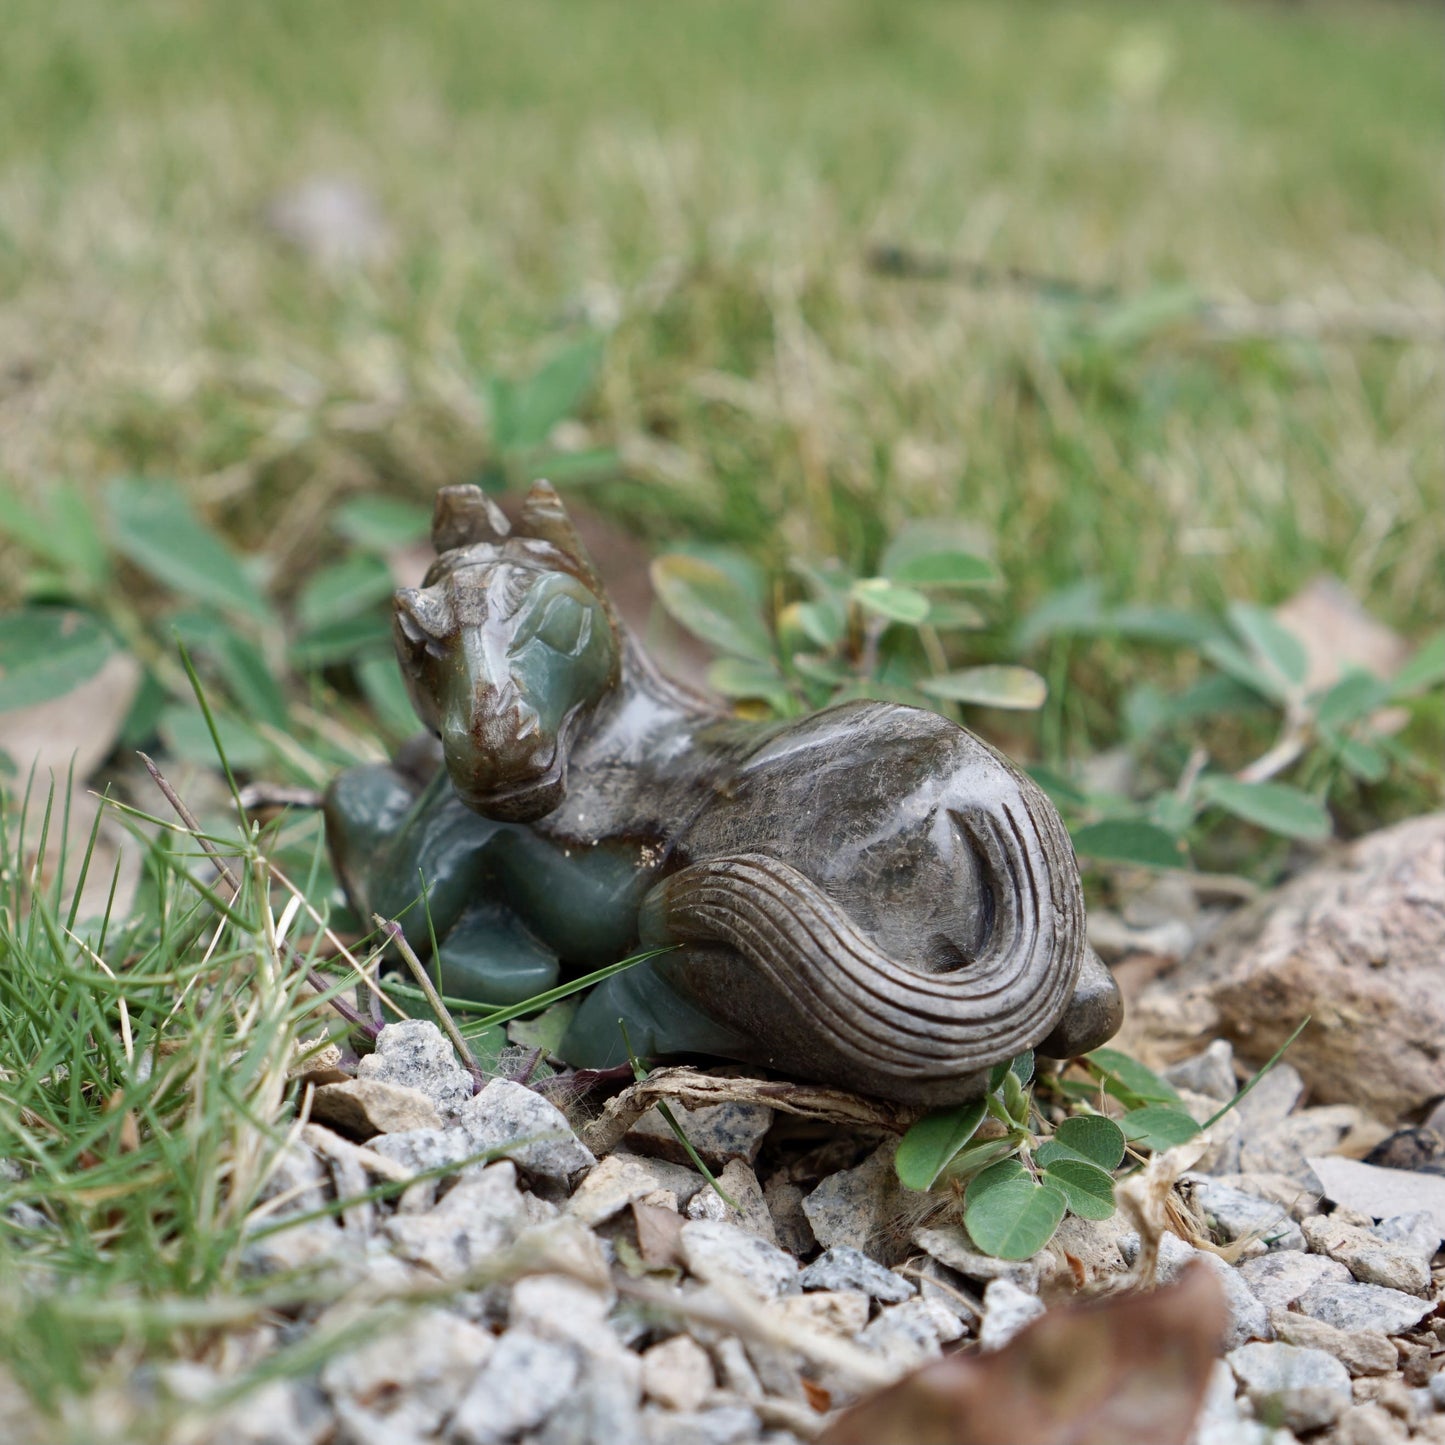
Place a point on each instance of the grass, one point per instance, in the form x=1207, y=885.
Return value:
x=144, y=1105
x=710, y=178
x=702, y=184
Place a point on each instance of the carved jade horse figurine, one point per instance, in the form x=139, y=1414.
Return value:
x=869, y=896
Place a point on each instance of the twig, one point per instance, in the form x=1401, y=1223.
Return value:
x=229, y=878
x=694, y=1090
x=393, y=930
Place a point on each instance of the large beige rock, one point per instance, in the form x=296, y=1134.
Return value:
x=1357, y=943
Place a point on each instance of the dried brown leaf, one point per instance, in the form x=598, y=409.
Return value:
x=1131, y=1367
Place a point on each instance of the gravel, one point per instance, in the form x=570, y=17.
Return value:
x=844, y=1268
x=1304, y=1389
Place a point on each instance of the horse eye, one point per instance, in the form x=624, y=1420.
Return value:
x=562, y=626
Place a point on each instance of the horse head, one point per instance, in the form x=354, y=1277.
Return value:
x=507, y=648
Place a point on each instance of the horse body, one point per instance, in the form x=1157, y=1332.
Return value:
x=870, y=895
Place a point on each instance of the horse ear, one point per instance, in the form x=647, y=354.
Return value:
x=543, y=516
x=424, y=616
x=465, y=516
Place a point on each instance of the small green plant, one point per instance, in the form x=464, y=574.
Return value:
x=1020, y=1173
x=849, y=635
x=1021, y=1176
x=895, y=635
x=1250, y=740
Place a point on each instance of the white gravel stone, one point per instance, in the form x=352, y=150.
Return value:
x=719, y=1133
x=1304, y=1389
x=1220, y=1422
x=1210, y=1073
x=526, y=1128
x=603, y=1407
x=1353, y=1306
x=1369, y=1424
x=908, y=1334
x=417, y=1055
x=1417, y=1230
x=1286, y=1147
x=522, y=1382
x=1272, y=1098
x=833, y=1312
x=1278, y=1280
x=952, y=1246
x=1361, y=1352
x=725, y=1425
x=1239, y=1215
x=714, y=1250
x=415, y=1371
x=677, y=1373
x=1006, y=1310
x=842, y=1268
x=855, y=1205
x=612, y=1186
x=476, y=1219
x=708, y=1204
x=1369, y=1258
x=1247, y=1317
x=558, y=1307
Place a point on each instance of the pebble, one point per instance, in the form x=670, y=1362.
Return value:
x=1097, y=1244
x=939, y=1284
x=519, y=1124
x=1278, y=1280
x=843, y=1268
x=741, y=1185
x=475, y=1220
x=719, y=1133
x=1210, y=1073
x=1417, y=1230
x=1239, y=1215
x=714, y=1250
x=1304, y=1389
x=614, y=1184
x=953, y=1246
x=908, y=1334
x=1362, y=1352
x=1382, y=1193
x=833, y=1312
x=1371, y=1259
x=1352, y=1306
x=1369, y=1424
x=1006, y=1310
x=363, y=1108
x=559, y=1307
x=677, y=1373
x=1286, y=1147
x=604, y=1406
x=1273, y=1098
x=1297, y=1201
x=1247, y=1317
x=856, y=1205
x=725, y=1425
x=522, y=1381
x=298, y=1181
x=422, y=1365
x=290, y=1411
x=709, y=1204
x=1220, y=1422
x=416, y=1054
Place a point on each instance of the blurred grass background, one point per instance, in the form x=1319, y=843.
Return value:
x=704, y=183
